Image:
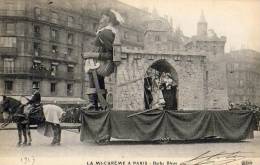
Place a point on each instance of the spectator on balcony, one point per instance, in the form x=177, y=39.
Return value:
x=52, y=71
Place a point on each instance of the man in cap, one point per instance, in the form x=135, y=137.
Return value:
x=105, y=37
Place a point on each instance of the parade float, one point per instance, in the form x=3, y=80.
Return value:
x=200, y=109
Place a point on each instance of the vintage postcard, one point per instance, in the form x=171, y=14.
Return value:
x=129, y=82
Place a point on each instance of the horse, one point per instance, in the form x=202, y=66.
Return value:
x=13, y=111
x=46, y=117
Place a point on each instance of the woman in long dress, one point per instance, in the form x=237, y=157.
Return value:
x=158, y=100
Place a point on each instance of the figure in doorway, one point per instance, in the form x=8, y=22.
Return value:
x=169, y=89
x=158, y=100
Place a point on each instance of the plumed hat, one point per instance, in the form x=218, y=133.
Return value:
x=35, y=86
x=114, y=16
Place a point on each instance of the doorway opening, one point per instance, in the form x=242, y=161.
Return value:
x=161, y=86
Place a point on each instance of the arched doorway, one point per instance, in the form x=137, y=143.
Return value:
x=160, y=86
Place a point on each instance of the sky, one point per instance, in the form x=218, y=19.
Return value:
x=238, y=20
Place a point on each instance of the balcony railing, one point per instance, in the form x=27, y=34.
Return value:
x=12, y=13
x=8, y=51
x=9, y=70
x=40, y=73
x=37, y=35
x=44, y=16
x=55, y=56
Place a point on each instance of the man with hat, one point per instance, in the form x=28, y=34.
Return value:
x=105, y=37
x=35, y=111
x=36, y=97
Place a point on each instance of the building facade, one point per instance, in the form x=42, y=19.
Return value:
x=243, y=75
x=197, y=64
x=42, y=42
x=213, y=47
x=41, y=45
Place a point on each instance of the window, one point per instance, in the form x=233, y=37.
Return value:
x=138, y=38
x=70, y=21
x=70, y=50
x=236, y=66
x=37, y=31
x=8, y=65
x=8, y=42
x=10, y=8
x=70, y=38
x=10, y=28
x=36, y=48
x=94, y=26
x=177, y=58
x=69, y=89
x=54, y=17
x=70, y=68
x=189, y=59
x=53, y=87
x=36, y=65
x=157, y=38
x=54, y=49
x=36, y=84
x=54, y=69
x=8, y=86
x=37, y=12
x=231, y=68
x=54, y=35
x=125, y=35
x=241, y=83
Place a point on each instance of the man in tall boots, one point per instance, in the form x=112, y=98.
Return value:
x=105, y=37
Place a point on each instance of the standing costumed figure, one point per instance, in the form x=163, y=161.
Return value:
x=105, y=37
x=169, y=87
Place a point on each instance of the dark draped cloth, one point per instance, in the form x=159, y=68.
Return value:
x=95, y=125
x=169, y=96
x=174, y=125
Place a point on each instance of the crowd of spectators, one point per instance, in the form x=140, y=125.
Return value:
x=247, y=105
x=72, y=115
x=39, y=67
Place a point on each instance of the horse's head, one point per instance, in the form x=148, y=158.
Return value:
x=5, y=107
x=10, y=106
